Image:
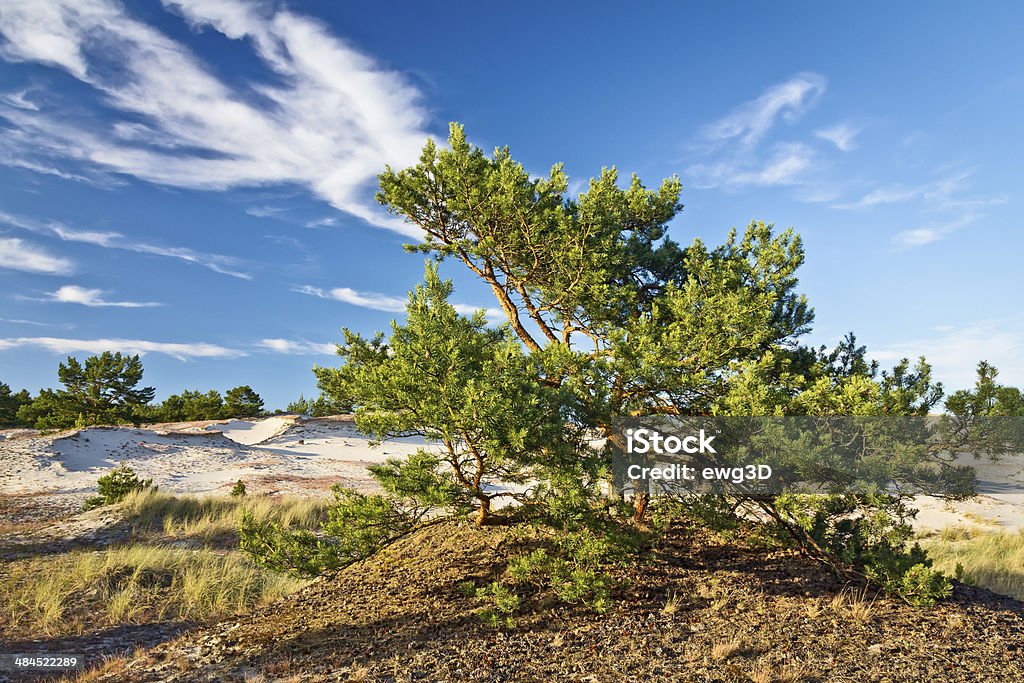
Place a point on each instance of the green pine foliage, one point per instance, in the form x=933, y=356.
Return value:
x=321, y=406
x=10, y=403
x=115, y=486
x=357, y=526
x=242, y=401
x=102, y=391
x=463, y=385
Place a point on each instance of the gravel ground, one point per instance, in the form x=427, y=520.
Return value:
x=700, y=610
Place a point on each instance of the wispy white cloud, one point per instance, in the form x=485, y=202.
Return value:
x=954, y=353
x=734, y=145
x=941, y=205
x=373, y=300
x=327, y=117
x=73, y=294
x=890, y=195
x=385, y=302
x=783, y=167
x=18, y=254
x=19, y=100
x=18, y=321
x=264, y=211
x=944, y=193
x=181, y=351
x=751, y=120
x=926, y=234
x=298, y=347
x=226, y=265
x=325, y=222
x=842, y=135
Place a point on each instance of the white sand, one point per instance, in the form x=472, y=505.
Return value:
x=273, y=455
x=999, y=504
x=250, y=432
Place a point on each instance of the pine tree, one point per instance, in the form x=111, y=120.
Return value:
x=242, y=401
x=102, y=391
x=10, y=404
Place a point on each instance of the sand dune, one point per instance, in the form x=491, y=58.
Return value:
x=272, y=455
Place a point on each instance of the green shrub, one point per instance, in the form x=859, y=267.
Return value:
x=238, y=490
x=571, y=568
x=114, y=486
x=502, y=604
x=357, y=526
x=869, y=534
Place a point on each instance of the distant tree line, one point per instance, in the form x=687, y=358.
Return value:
x=105, y=390
x=322, y=406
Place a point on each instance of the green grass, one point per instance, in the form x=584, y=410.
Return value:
x=84, y=590
x=993, y=560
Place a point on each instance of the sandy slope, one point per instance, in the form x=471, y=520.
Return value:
x=277, y=454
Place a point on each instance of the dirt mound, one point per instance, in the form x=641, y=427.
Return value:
x=700, y=610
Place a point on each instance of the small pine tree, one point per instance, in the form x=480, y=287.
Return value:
x=114, y=486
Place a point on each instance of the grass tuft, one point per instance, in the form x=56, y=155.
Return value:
x=215, y=520
x=82, y=590
x=993, y=560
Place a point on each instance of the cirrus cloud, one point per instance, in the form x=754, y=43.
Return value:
x=17, y=254
x=181, y=351
x=298, y=347
x=326, y=116
x=386, y=302
x=73, y=294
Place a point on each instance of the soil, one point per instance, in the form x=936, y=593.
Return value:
x=700, y=609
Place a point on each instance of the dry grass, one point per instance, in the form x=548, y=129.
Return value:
x=672, y=604
x=764, y=672
x=953, y=534
x=723, y=651
x=214, y=520
x=993, y=560
x=854, y=603
x=358, y=674
x=980, y=520
x=79, y=591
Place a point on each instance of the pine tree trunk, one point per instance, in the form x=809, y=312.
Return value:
x=640, y=501
x=483, y=516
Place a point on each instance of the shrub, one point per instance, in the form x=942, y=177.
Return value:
x=238, y=490
x=868, y=534
x=114, y=486
x=572, y=568
x=357, y=526
x=502, y=604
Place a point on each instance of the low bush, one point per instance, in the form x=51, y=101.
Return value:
x=114, y=486
x=357, y=525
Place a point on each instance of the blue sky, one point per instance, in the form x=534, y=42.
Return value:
x=194, y=179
